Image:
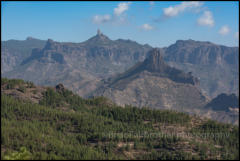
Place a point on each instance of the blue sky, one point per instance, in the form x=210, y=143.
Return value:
x=158, y=24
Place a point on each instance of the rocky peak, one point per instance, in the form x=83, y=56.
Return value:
x=50, y=41
x=99, y=38
x=29, y=38
x=155, y=61
x=50, y=44
x=155, y=64
x=99, y=32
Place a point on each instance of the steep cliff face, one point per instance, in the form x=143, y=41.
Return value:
x=217, y=66
x=204, y=53
x=154, y=62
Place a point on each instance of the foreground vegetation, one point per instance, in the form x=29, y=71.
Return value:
x=65, y=126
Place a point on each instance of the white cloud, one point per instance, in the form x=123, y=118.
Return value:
x=224, y=30
x=236, y=35
x=99, y=19
x=117, y=18
x=146, y=27
x=122, y=7
x=206, y=19
x=175, y=10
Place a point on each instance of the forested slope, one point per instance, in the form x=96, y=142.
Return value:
x=53, y=123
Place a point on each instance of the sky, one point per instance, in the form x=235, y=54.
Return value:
x=158, y=24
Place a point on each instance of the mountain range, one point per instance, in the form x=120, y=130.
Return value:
x=184, y=76
x=100, y=57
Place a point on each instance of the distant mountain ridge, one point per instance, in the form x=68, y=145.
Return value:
x=102, y=57
x=204, y=53
x=217, y=66
x=13, y=52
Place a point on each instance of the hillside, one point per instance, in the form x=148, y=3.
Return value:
x=53, y=123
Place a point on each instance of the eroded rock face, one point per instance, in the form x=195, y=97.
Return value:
x=216, y=66
x=205, y=53
x=155, y=62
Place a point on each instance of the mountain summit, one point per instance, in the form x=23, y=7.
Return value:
x=155, y=62
x=99, y=32
x=100, y=38
x=49, y=44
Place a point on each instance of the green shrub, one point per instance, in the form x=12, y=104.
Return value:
x=23, y=154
